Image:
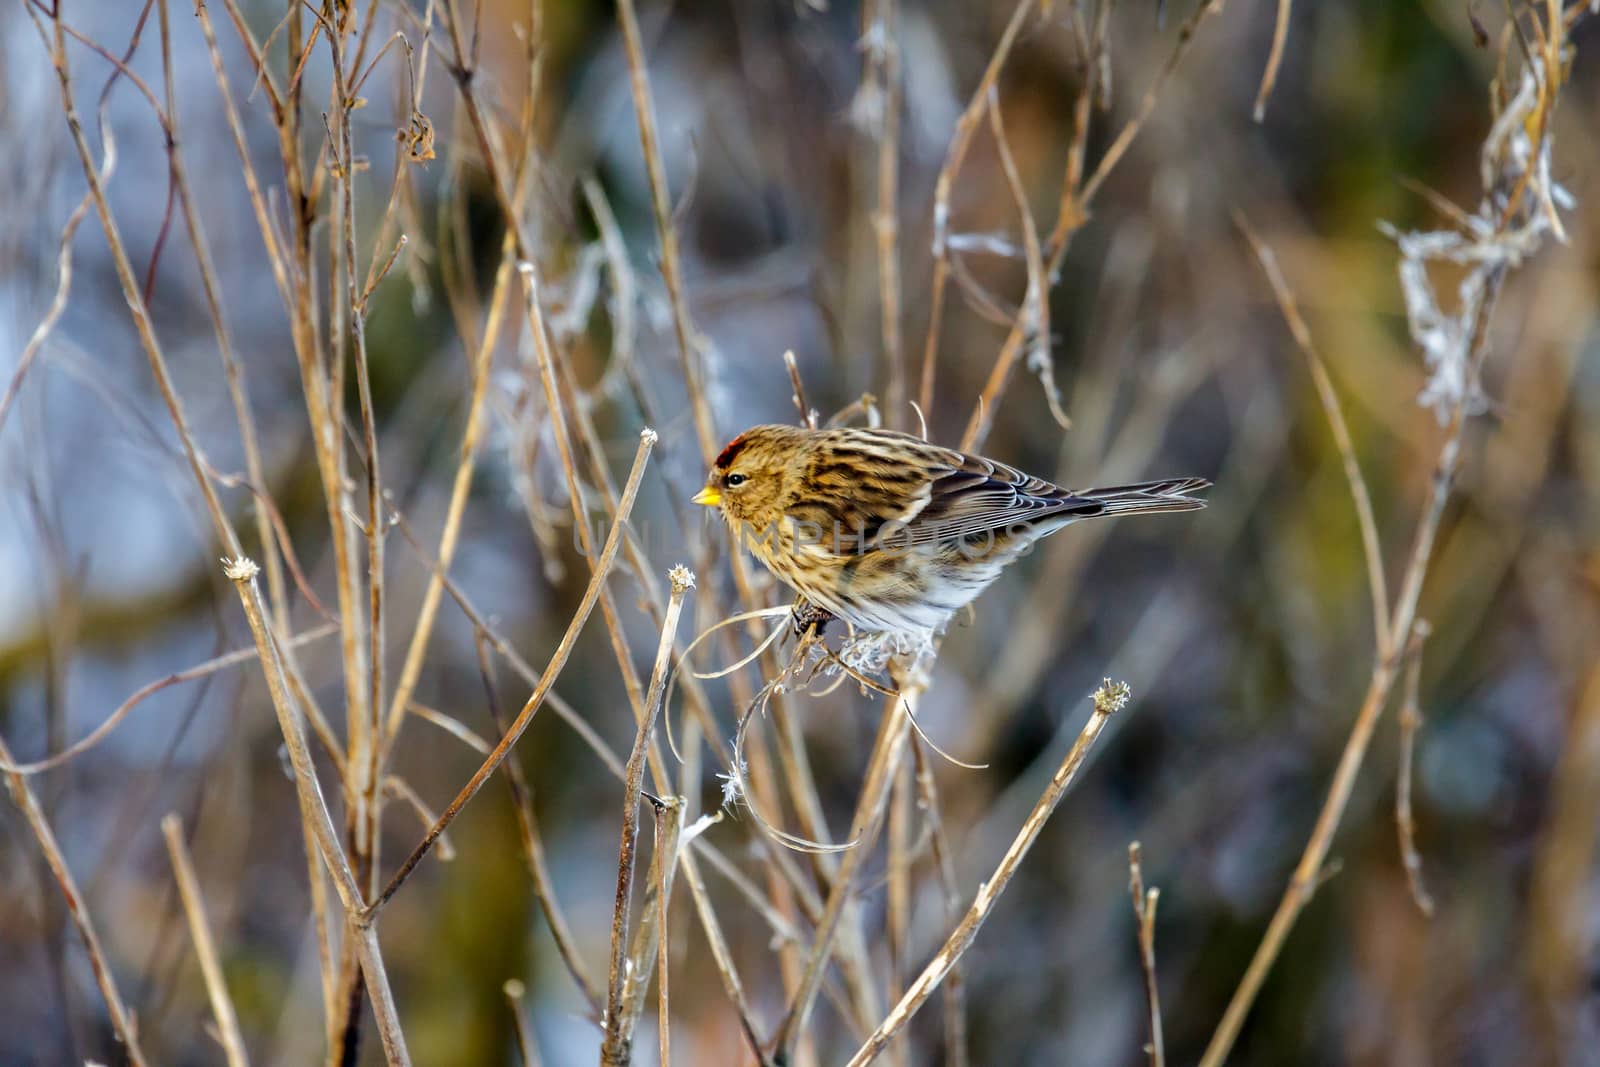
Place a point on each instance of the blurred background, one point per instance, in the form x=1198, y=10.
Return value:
x=1244, y=631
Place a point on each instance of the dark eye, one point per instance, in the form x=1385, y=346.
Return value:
x=735, y=480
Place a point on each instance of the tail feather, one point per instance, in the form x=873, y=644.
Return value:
x=1168, y=494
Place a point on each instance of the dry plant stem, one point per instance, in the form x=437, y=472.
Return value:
x=1269, y=77
x=616, y=1047
x=317, y=823
x=955, y=1009
x=556, y=413
x=58, y=304
x=321, y=385
x=666, y=849
x=205, y=948
x=1144, y=909
x=1308, y=873
x=533, y=850
x=960, y=142
x=666, y=233
x=961, y=937
x=411, y=669
x=364, y=633
x=527, y=1048
x=189, y=674
x=558, y=660
x=1410, y=722
x=1034, y=315
x=233, y=370
x=1075, y=203
x=131, y=289
x=885, y=222
x=563, y=710
x=898, y=908
x=721, y=956
x=28, y=804
x=886, y=752
x=792, y=758
x=648, y=946
x=808, y=415
x=1342, y=440
x=796, y=770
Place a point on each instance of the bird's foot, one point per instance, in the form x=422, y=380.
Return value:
x=807, y=617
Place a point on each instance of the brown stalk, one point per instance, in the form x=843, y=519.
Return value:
x=961, y=938
x=1269, y=77
x=210, y=965
x=1371, y=549
x=58, y=303
x=233, y=370
x=960, y=142
x=558, y=660
x=564, y=711
x=318, y=824
x=955, y=1008
x=870, y=805
x=1144, y=909
x=188, y=674
x=460, y=488
x=27, y=803
x=616, y=1048
x=527, y=1048
x=533, y=849
x=721, y=956
x=666, y=232
x=901, y=859
x=1410, y=722
x=886, y=62
x=1308, y=873
x=664, y=861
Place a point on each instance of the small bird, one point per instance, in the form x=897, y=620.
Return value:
x=893, y=534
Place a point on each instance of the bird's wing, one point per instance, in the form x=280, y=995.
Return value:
x=975, y=495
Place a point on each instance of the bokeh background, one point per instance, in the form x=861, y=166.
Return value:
x=1244, y=631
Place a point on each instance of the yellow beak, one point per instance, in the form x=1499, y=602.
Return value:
x=709, y=497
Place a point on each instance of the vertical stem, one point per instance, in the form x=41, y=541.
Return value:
x=121, y=1020
x=616, y=1045
x=210, y=966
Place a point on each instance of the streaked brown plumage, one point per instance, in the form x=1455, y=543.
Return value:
x=891, y=533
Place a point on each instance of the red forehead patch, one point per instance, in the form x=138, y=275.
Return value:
x=726, y=456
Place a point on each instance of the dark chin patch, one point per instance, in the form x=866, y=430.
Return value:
x=726, y=457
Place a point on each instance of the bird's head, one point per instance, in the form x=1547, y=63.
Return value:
x=753, y=477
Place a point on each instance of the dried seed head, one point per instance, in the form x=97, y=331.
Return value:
x=1111, y=696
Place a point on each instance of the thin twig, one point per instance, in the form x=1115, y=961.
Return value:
x=1269, y=77
x=210, y=966
x=316, y=821
x=885, y=223
x=1371, y=550
x=527, y=1048
x=189, y=674
x=122, y=1023
x=870, y=805
x=1144, y=909
x=1108, y=699
x=1410, y=723
x=721, y=955
x=558, y=660
x=616, y=1046
x=960, y=141
x=533, y=850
